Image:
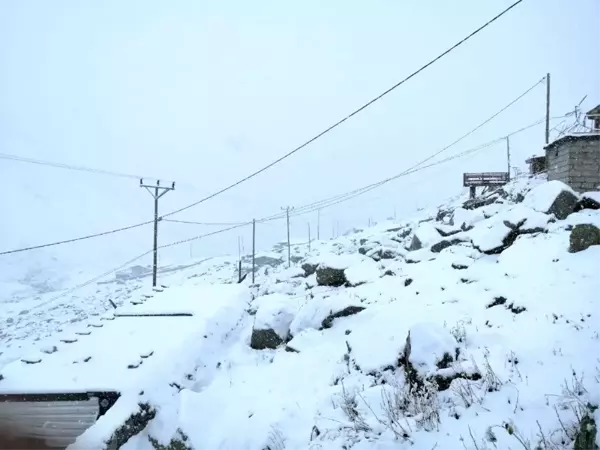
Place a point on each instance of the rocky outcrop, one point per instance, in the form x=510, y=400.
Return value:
x=583, y=236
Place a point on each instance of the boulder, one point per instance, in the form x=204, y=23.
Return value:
x=475, y=203
x=321, y=313
x=426, y=234
x=309, y=269
x=329, y=276
x=262, y=339
x=348, y=311
x=493, y=237
x=589, y=200
x=272, y=321
x=553, y=197
x=436, y=248
x=428, y=348
x=583, y=236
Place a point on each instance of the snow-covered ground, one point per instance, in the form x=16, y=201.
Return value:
x=468, y=326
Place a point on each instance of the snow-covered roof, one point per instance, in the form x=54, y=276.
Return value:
x=574, y=137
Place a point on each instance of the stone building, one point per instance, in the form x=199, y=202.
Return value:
x=574, y=159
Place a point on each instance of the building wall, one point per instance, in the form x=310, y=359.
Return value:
x=576, y=163
x=584, y=166
x=557, y=163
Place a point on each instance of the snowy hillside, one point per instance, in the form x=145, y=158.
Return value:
x=473, y=326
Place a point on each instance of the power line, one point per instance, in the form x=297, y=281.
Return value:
x=464, y=136
x=66, y=241
x=352, y=114
x=332, y=201
x=330, y=128
x=68, y=166
x=221, y=224
x=108, y=272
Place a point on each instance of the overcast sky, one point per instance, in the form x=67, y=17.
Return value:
x=205, y=92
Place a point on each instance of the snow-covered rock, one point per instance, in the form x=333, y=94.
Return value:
x=553, y=197
x=424, y=236
x=272, y=321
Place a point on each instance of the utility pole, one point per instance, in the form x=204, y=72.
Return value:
x=547, y=108
x=253, y=248
x=287, y=214
x=156, y=191
x=309, y=236
x=318, y=224
x=508, y=155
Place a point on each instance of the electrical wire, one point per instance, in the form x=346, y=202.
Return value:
x=221, y=224
x=335, y=125
x=352, y=114
x=81, y=238
x=337, y=199
x=68, y=166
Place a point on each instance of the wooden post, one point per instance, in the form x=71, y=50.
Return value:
x=309, y=236
x=156, y=191
x=318, y=224
x=547, y=108
x=473, y=191
x=508, y=155
x=253, y=249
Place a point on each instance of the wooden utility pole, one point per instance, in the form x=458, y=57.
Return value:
x=253, y=249
x=318, y=224
x=287, y=214
x=508, y=155
x=156, y=191
x=547, y=108
x=309, y=236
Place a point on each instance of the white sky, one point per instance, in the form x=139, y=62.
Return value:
x=205, y=92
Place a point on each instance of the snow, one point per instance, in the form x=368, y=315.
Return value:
x=541, y=197
x=363, y=272
x=428, y=344
x=427, y=234
x=526, y=319
x=489, y=235
x=468, y=217
x=116, y=350
x=276, y=312
x=334, y=261
x=593, y=195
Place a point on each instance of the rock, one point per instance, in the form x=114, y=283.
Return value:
x=428, y=347
x=426, y=234
x=272, y=321
x=328, y=276
x=553, y=197
x=585, y=436
x=179, y=442
x=436, y=248
x=475, y=203
x=589, y=200
x=132, y=426
x=262, y=339
x=348, y=311
x=583, y=236
x=446, y=231
x=309, y=269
